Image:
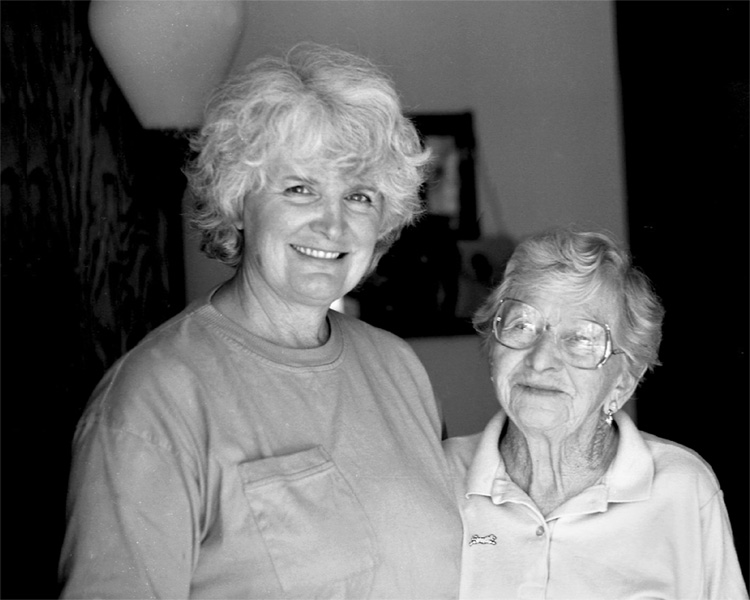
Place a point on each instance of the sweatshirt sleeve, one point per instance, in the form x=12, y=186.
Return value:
x=133, y=509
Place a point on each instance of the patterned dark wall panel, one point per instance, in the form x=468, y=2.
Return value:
x=91, y=260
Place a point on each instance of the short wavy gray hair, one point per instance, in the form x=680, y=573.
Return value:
x=587, y=263
x=317, y=101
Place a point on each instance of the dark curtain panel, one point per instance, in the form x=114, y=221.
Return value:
x=684, y=73
x=91, y=261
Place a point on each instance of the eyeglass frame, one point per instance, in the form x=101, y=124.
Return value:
x=609, y=349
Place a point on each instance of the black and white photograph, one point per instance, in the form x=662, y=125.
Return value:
x=386, y=299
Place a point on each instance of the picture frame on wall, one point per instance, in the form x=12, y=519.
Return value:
x=414, y=292
x=450, y=190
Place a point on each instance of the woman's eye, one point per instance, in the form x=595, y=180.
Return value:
x=360, y=197
x=582, y=340
x=298, y=189
x=519, y=325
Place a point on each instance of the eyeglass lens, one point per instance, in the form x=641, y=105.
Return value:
x=582, y=343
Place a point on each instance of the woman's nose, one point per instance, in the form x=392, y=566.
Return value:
x=544, y=354
x=330, y=220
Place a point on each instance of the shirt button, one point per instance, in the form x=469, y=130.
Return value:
x=540, y=531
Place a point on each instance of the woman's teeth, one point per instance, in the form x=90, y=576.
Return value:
x=317, y=253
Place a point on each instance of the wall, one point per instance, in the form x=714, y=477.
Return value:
x=540, y=78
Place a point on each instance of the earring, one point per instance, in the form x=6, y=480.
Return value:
x=610, y=413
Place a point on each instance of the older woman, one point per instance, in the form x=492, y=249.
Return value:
x=260, y=445
x=561, y=496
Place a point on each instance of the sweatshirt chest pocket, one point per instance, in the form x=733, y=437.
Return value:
x=314, y=528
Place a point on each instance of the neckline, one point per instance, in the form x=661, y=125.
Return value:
x=327, y=355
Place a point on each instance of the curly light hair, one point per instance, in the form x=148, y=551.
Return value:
x=317, y=104
x=586, y=263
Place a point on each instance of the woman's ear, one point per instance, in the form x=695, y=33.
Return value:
x=625, y=387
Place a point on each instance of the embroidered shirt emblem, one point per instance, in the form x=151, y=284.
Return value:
x=483, y=539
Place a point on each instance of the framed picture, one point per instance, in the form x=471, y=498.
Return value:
x=414, y=291
x=450, y=190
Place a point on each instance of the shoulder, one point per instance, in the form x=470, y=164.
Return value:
x=165, y=352
x=391, y=361
x=460, y=451
x=357, y=327
x=144, y=389
x=674, y=462
x=364, y=335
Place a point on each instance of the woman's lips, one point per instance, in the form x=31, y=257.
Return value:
x=540, y=390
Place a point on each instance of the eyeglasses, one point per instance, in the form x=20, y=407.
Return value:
x=582, y=343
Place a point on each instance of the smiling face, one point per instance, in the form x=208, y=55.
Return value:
x=541, y=393
x=310, y=234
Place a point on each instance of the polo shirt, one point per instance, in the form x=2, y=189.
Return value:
x=654, y=526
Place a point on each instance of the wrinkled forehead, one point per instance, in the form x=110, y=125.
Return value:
x=559, y=300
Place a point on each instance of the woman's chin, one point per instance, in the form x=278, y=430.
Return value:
x=539, y=416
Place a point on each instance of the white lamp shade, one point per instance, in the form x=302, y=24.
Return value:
x=167, y=55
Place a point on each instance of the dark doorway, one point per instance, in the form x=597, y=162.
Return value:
x=684, y=73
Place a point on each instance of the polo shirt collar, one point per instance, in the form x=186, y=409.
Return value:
x=628, y=479
x=487, y=464
x=631, y=474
